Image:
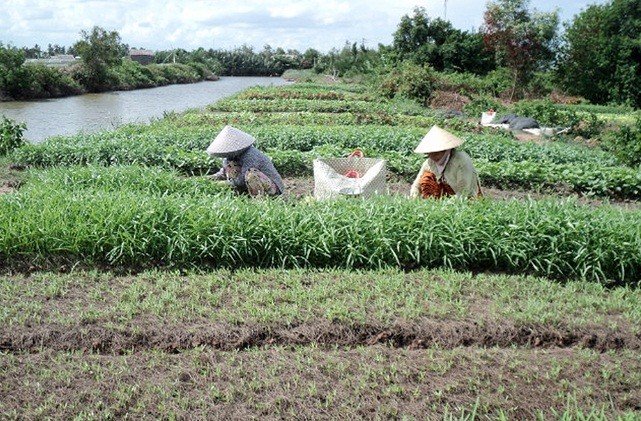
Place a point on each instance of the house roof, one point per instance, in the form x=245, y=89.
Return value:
x=137, y=52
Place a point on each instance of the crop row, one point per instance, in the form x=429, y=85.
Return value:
x=501, y=161
x=381, y=139
x=194, y=118
x=616, y=182
x=295, y=91
x=154, y=181
x=377, y=139
x=279, y=105
x=134, y=228
x=316, y=87
x=132, y=143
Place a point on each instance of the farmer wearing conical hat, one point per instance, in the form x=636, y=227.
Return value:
x=244, y=166
x=447, y=171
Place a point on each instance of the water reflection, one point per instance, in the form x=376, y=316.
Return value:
x=95, y=112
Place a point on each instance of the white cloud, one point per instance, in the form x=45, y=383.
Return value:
x=189, y=24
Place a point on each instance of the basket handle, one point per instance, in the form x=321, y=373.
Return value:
x=357, y=153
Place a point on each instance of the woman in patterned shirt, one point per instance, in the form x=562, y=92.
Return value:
x=447, y=171
x=245, y=167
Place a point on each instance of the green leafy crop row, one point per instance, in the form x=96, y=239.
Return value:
x=134, y=228
x=501, y=161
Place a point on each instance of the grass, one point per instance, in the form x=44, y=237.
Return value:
x=9, y=176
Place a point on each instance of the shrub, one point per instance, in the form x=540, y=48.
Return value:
x=482, y=104
x=541, y=84
x=131, y=75
x=155, y=72
x=32, y=81
x=465, y=84
x=11, y=135
x=179, y=73
x=498, y=82
x=204, y=73
x=409, y=81
x=625, y=143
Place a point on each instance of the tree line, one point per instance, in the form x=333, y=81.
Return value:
x=518, y=51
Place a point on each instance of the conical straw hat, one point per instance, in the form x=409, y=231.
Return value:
x=230, y=141
x=437, y=140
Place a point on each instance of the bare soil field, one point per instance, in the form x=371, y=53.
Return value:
x=78, y=354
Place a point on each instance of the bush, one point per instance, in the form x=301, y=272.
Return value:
x=626, y=143
x=409, y=81
x=498, y=82
x=467, y=84
x=11, y=135
x=179, y=73
x=131, y=75
x=204, y=73
x=541, y=84
x=482, y=104
x=31, y=81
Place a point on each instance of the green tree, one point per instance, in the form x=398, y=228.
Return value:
x=35, y=52
x=436, y=42
x=411, y=34
x=310, y=57
x=601, y=58
x=56, y=49
x=521, y=40
x=11, y=61
x=20, y=80
x=99, y=50
x=351, y=60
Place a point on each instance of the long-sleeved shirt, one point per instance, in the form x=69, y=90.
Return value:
x=459, y=174
x=252, y=158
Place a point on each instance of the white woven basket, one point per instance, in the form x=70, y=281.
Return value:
x=330, y=178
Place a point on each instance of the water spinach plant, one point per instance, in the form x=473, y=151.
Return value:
x=141, y=218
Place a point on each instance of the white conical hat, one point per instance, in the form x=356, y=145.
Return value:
x=437, y=140
x=230, y=141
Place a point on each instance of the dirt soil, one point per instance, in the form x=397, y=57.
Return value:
x=302, y=187
x=155, y=368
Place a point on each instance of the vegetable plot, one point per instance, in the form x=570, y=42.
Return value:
x=90, y=223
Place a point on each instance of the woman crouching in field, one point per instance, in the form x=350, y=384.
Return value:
x=245, y=167
x=447, y=171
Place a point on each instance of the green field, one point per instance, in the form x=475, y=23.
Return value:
x=134, y=287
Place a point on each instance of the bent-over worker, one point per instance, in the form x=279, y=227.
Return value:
x=447, y=171
x=244, y=166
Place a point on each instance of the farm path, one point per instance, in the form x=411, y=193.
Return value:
x=301, y=187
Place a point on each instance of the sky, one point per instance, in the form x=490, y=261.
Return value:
x=190, y=24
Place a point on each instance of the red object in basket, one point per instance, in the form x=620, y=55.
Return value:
x=354, y=173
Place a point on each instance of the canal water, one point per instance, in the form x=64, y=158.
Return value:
x=97, y=112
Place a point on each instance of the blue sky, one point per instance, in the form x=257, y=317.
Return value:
x=189, y=24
